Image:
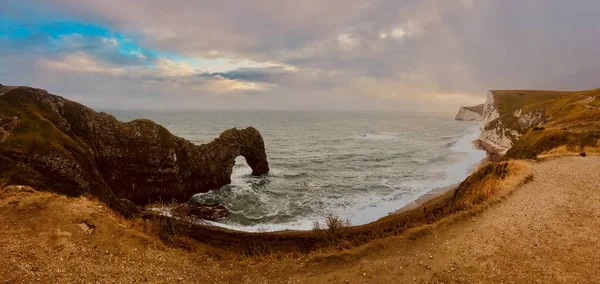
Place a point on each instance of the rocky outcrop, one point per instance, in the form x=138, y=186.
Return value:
x=48, y=142
x=472, y=113
x=501, y=130
x=495, y=137
x=210, y=212
x=4, y=89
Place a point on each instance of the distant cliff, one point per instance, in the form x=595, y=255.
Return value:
x=472, y=113
x=525, y=123
x=54, y=144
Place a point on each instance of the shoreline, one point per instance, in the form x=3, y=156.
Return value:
x=562, y=213
x=436, y=192
x=455, y=173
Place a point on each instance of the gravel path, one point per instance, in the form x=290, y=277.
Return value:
x=547, y=231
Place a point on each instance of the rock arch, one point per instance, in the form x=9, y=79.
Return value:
x=222, y=152
x=65, y=147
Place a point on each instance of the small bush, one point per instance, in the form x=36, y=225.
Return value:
x=334, y=232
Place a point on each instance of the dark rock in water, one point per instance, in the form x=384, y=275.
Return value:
x=210, y=212
x=54, y=144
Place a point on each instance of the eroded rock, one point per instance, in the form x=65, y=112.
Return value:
x=51, y=143
x=207, y=211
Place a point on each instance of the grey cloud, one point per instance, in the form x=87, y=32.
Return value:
x=456, y=49
x=267, y=74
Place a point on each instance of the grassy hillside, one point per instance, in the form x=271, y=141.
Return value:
x=571, y=120
x=507, y=102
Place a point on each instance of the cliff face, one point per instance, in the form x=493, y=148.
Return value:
x=523, y=122
x=495, y=136
x=48, y=142
x=472, y=113
x=507, y=115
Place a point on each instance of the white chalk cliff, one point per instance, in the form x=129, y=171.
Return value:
x=473, y=113
x=496, y=135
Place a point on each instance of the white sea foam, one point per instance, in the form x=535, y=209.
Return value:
x=454, y=174
x=369, y=207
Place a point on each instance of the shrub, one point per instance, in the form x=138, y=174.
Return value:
x=334, y=232
x=485, y=183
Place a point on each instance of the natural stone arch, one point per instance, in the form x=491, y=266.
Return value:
x=74, y=150
x=232, y=143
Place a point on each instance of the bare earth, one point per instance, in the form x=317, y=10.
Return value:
x=547, y=231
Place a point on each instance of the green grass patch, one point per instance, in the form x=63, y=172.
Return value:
x=36, y=131
x=508, y=102
x=534, y=143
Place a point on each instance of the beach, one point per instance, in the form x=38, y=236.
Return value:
x=542, y=231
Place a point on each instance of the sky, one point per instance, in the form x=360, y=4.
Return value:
x=404, y=55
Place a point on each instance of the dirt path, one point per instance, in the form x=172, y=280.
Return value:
x=547, y=231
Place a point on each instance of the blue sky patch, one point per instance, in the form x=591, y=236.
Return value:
x=49, y=35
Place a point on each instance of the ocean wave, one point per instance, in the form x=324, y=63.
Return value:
x=379, y=136
x=449, y=144
x=295, y=176
x=360, y=184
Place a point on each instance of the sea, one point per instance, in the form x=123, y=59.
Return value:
x=358, y=165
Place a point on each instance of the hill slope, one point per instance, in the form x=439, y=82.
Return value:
x=544, y=232
x=510, y=221
x=54, y=144
x=539, y=121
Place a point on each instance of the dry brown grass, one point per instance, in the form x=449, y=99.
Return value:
x=42, y=243
x=334, y=231
x=570, y=151
x=571, y=122
x=535, y=143
x=334, y=238
x=333, y=235
x=487, y=182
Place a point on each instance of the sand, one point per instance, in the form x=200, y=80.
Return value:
x=547, y=231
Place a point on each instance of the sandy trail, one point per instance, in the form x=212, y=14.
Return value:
x=547, y=231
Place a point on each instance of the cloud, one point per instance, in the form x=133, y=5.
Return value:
x=398, y=33
x=169, y=67
x=80, y=62
x=383, y=54
x=166, y=71
x=221, y=85
x=347, y=42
